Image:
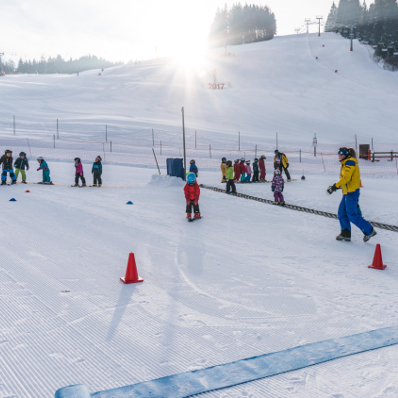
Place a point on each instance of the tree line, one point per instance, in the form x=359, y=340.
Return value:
x=376, y=25
x=57, y=65
x=242, y=24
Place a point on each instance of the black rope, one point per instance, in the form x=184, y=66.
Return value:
x=392, y=228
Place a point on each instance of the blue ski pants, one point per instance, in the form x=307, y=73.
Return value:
x=46, y=175
x=243, y=177
x=349, y=213
x=248, y=177
x=4, y=175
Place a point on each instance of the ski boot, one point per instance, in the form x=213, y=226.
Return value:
x=276, y=203
x=371, y=235
x=99, y=185
x=282, y=203
x=197, y=215
x=94, y=185
x=3, y=183
x=345, y=236
x=84, y=185
x=76, y=185
x=13, y=182
x=188, y=215
x=24, y=182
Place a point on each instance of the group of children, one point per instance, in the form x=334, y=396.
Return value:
x=240, y=172
x=22, y=163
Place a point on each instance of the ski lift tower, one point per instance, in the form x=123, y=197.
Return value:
x=319, y=17
x=352, y=27
x=297, y=30
x=308, y=22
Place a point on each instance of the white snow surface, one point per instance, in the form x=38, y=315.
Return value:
x=277, y=86
x=245, y=280
x=248, y=278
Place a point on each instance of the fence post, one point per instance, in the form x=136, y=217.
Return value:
x=153, y=139
x=300, y=155
x=392, y=154
x=103, y=148
x=111, y=146
x=356, y=143
x=372, y=145
x=323, y=162
x=54, y=139
x=195, y=140
x=160, y=147
x=30, y=152
x=255, y=152
x=57, y=131
x=239, y=140
x=210, y=150
x=106, y=133
x=13, y=123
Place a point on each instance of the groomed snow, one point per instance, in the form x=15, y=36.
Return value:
x=247, y=279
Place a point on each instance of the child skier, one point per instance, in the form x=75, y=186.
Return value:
x=230, y=178
x=192, y=193
x=255, y=170
x=97, y=171
x=223, y=169
x=261, y=165
x=79, y=173
x=242, y=170
x=236, y=170
x=6, y=162
x=46, y=171
x=248, y=171
x=193, y=168
x=20, y=165
x=277, y=188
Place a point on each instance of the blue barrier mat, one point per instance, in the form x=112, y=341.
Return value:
x=231, y=374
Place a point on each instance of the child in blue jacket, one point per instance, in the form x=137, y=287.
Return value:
x=97, y=172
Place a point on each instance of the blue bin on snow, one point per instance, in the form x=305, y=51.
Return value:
x=175, y=167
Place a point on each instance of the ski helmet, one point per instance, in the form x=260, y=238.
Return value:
x=247, y=161
x=229, y=162
x=77, y=160
x=224, y=159
x=7, y=151
x=343, y=152
x=98, y=158
x=255, y=159
x=276, y=151
x=236, y=160
x=263, y=157
x=40, y=159
x=303, y=177
x=242, y=160
x=22, y=154
x=191, y=178
x=277, y=172
x=192, y=161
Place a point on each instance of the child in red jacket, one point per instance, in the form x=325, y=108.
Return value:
x=192, y=193
x=236, y=170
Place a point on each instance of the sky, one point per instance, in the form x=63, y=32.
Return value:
x=123, y=30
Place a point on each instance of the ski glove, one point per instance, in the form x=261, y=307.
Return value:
x=38, y=169
x=331, y=189
x=45, y=168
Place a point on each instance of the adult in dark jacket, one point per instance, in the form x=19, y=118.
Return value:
x=281, y=162
x=6, y=162
x=20, y=165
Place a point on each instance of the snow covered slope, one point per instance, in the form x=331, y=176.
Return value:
x=277, y=86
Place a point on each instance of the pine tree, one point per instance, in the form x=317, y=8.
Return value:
x=332, y=18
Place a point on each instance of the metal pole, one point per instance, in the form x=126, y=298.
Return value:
x=111, y=146
x=300, y=155
x=153, y=139
x=372, y=145
x=319, y=19
x=54, y=140
x=106, y=133
x=195, y=139
x=315, y=151
x=183, y=137
x=13, y=123
x=157, y=164
x=57, y=131
x=160, y=147
x=210, y=150
x=276, y=141
x=239, y=140
x=255, y=152
x=356, y=143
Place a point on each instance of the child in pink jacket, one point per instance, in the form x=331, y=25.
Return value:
x=248, y=171
x=79, y=173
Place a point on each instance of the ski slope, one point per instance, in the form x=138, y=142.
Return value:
x=247, y=279
x=277, y=86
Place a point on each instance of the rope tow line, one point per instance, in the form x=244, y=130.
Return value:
x=387, y=227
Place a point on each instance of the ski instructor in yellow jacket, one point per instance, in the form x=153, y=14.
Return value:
x=349, y=210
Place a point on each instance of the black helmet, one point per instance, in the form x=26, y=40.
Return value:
x=263, y=157
x=22, y=154
x=7, y=151
x=192, y=161
x=224, y=159
x=229, y=162
x=77, y=160
x=98, y=158
x=255, y=159
x=276, y=151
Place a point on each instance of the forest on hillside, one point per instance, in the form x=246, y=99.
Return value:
x=57, y=65
x=376, y=25
x=242, y=24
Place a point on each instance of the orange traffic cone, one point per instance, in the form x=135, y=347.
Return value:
x=27, y=191
x=378, y=260
x=131, y=271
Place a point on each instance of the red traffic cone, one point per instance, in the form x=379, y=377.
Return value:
x=377, y=259
x=131, y=271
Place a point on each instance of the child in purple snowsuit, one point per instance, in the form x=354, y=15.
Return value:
x=277, y=188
